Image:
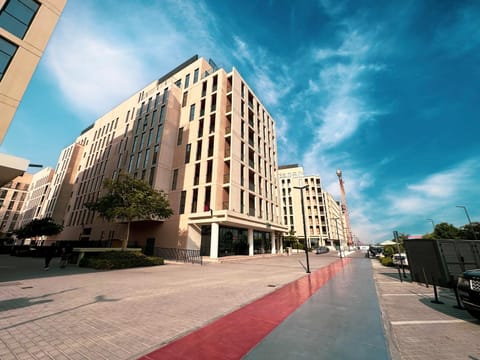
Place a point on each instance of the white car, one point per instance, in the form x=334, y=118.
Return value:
x=400, y=259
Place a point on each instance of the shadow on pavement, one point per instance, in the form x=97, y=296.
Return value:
x=13, y=268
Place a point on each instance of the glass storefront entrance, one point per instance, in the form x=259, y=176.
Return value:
x=234, y=241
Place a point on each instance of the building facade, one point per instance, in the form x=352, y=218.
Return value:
x=25, y=28
x=201, y=135
x=37, y=191
x=12, y=198
x=320, y=211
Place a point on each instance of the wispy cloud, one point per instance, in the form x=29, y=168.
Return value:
x=436, y=190
x=96, y=63
x=270, y=81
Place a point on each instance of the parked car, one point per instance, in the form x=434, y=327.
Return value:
x=322, y=250
x=400, y=259
x=468, y=286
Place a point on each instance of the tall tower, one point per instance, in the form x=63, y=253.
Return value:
x=344, y=207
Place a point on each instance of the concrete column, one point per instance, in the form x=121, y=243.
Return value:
x=214, y=241
x=274, y=243
x=250, y=242
x=280, y=244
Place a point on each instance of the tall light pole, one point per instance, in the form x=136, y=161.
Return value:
x=338, y=237
x=344, y=207
x=304, y=224
x=469, y=221
x=433, y=224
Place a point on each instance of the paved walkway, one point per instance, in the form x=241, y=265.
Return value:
x=332, y=313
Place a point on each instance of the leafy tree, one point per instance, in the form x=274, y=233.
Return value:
x=470, y=231
x=39, y=227
x=446, y=231
x=290, y=239
x=128, y=199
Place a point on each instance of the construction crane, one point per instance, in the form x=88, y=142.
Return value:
x=345, y=208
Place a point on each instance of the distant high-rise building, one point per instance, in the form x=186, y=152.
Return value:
x=25, y=28
x=202, y=136
x=320, y=208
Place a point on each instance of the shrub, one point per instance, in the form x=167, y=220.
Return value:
x=111, y=260
x=386, y=261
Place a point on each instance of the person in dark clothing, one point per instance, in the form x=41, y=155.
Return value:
x=49, y=252
x=63, y=257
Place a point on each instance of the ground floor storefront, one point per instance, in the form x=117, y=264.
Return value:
x=219, y=241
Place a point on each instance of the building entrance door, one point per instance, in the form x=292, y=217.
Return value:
x=150, y=247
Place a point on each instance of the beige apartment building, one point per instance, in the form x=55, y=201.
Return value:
x=25, y=28
x=323, y=215
x=12, y=199
x=37, y=191
x=202, y=136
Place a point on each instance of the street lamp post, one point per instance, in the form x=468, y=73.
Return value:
x=433, y=224
x=338, y=237
x=304, y=224
x=469, y=221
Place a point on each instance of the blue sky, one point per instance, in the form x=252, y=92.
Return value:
x=387, y=91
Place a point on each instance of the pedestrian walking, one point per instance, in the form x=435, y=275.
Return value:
x=49, y=252
x=63, y=258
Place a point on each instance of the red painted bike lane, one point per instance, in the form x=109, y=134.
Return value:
x=235, y=334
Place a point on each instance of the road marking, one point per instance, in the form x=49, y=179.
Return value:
x=415, y=294
x=422, y=322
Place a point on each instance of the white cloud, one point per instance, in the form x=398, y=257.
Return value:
x=97, y=62
x=269, y=80
x=92, y=72
x=435, y=191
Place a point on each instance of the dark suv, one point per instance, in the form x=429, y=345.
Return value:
x=468, y=286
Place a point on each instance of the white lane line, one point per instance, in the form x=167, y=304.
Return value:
x=416, y=294
x=422, y=322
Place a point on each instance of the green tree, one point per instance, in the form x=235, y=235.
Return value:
x=446, y=231
x=128, y=199
x=467, y=231
x=39, y=227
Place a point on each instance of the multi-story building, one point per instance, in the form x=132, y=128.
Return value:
x=25, y=28
x=12, y=198
x=37, y=191
x=320, y=212
x=203, y=137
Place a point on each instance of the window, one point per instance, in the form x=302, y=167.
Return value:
x=174, y=179
x=192, y=112
x=194, y=201
x=180, y=136
x=195, y=76
x=187, y=153
x=17, y=15
x=162, y=114
x=7, y=50
x=185, y=98
x=183, y=196
x=187, y=80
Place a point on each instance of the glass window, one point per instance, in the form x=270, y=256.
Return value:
x=187, y=80
x=187, y=153
x=192, y=112
x=180, y=136
x=174, y=179
x=17, y=15
x=195, y=76
x=7, y=50
x=183, y=197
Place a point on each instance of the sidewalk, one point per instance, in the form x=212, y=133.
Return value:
x=259, y=308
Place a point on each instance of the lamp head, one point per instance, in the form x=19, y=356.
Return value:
x=339, y=173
